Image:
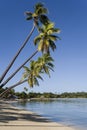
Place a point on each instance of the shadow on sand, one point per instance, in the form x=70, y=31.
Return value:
x=8, y=113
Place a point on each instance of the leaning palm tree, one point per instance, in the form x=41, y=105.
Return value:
x=18, y=69
x=33, y=73
x=39, y=14
x=46, y=39
x=42, y=65
x=30, y=75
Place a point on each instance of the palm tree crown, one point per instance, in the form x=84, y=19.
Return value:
x=46, y=39
x=45, y=64
x=42, y=65
x=31, y=74
x=38, y=15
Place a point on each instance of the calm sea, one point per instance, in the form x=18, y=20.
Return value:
x=72, y=112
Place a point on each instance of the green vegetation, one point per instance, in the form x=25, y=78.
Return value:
x=44, y=43
x=43, y=96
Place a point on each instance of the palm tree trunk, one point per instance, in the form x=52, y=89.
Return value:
x=17, y=54
x=11, y=76
x=11, y=87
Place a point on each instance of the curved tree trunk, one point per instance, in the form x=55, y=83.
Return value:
x=17, y=54
x=11, y=87
x=11, y=76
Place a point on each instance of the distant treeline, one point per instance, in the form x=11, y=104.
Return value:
x=25, y=95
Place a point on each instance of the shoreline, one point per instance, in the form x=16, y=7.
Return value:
x=15, y=118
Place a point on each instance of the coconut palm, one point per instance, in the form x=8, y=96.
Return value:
x=45, y=64
x=18, y=69
x=42, y=65
x=39, y=14
x=46, y=39
x=44, y=43
x=32, y=74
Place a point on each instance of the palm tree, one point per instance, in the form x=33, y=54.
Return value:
x=46, y=39
x=38, y=14
x=45, y=63
x=32, y=74
x=17, y=70
x=42, y=65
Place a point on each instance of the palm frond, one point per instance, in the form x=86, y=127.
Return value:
x=41, y=11
x=52, y=45
x=37, y=40
x=25, y=75
x=56, y=30
x=32, y=65
x=48, y=58
x=26, y=69
x=46, y=70
x=38, y=5
x=39, y=77
x=40, y=45
x=50, y=68
x=53, y=37
x=52, y=31
x=29, y=18
x=44, y=19
x=29, y=15
x=30, y=82
x=50, y=25
x=35, y=82
x=40, y=29
x=50, y=64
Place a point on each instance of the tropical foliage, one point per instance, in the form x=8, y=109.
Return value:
x=45, y=42
x=42, y=65
x=38, y=15
x=46, y=38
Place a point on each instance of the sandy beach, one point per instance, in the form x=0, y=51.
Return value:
x=12, y=118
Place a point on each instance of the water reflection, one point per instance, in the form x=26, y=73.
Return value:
x=67, y=111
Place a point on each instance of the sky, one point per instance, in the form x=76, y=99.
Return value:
x=70, y=57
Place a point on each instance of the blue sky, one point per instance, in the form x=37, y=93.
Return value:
x=71, y=54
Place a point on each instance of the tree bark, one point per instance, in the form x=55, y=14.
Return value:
x=17, y=54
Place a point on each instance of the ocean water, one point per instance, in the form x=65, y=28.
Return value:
x=71, y=112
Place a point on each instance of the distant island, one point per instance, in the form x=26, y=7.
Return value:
x=45, y=95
